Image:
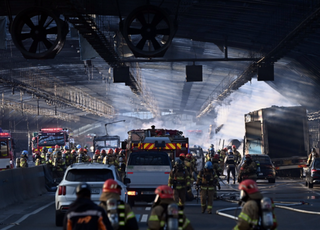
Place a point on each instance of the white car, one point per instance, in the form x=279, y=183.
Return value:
x=95, y=175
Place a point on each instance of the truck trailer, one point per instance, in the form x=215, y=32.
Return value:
x=283, y=134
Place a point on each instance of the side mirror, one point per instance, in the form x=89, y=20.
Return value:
x=126, y=181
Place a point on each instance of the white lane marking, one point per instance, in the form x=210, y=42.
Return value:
x=148, y=208
x=144, y=218
x=27, y=215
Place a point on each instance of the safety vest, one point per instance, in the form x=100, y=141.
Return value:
x=23, y=162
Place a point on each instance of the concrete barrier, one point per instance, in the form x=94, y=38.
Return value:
x=19, y=184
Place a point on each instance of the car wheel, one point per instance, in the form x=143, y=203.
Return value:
x=310, y=185
x=272, y=180
x=59, y=218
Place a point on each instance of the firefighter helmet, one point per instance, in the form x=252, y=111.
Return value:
x=78, y=146
x=73, y=151
x=97, y=152
x=110, y=151
x=111, y=185
x=24, y=153
x=56, y=146
x=164, y=192
x=249, y=186
x=225, y=149
x=50, y=150
x=234, y=147
x=182, y=155
x=66, y=147
x=189, y=156
x=117, y=150
x=103, y=152
x=208, y=165
x=81, y=150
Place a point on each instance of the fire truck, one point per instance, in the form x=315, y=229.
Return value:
x=166, y=140
x=6, y=151
x=49, y=137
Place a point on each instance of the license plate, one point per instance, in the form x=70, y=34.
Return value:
x=95, y=191
x=260, y=174
x=147, y=192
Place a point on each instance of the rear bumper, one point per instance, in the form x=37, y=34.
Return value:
x=141, y=194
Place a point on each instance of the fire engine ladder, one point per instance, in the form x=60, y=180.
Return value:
x=87, y=27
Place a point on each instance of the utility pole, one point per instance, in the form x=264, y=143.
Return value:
x=105, y=125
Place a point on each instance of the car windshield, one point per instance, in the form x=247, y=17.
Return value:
x=149, y=158
x=89, y=175
x=51, y=139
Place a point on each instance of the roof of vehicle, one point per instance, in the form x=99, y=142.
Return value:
x=90, y=166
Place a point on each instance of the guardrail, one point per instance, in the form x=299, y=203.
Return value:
x=17, y=185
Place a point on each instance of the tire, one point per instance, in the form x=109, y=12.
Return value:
x=310, y=185
x=272, y=180
x=59, y=218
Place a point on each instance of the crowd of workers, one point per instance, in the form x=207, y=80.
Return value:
x=59, y=158
x=168, y=207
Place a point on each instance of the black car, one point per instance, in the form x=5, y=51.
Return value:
x=265, y=168
x=313, y=173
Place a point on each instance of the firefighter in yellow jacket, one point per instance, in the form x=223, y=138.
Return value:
x=165, y=212
x=120, y=214
x=207, y=181
x=252, y=210
x=179, y=180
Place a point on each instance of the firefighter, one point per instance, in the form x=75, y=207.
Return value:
x=83, y=213
x=190, y=169
x=248, y=170
x=36, y=157
x=73, y=156
x=223, y=154
x=165, y=212
x=110, y=159
x=81, y=156
x=58, y=165
x=236, y=154
x=49, y=159
x=217, y=171
x=24, y=159
x=312, y=156
x=252, y=213
x=207, y=181
x=67, y=155
x=179, y=180
x=41, y=160
x=211, y=151
x=230, y=165
x=87, y=158
x=119, y=213
x=95, y=156
x=56, y=148
x=122, y=164
x=103, y=154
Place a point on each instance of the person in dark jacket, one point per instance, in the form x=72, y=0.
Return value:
x=84, y=214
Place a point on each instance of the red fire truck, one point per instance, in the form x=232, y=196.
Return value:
x=6, y=151
x=49, y=137
x=165, y=140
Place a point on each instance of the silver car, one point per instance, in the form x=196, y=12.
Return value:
x=94, y=174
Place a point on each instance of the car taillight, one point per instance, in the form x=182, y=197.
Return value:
x=132, y=193
x=62, y=190
x=166, y=172
x=129, y=172
x=314, y=170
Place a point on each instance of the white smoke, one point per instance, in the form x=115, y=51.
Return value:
x=252, y=96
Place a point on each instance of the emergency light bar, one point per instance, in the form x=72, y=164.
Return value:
x=51, y=129
x=4, y=134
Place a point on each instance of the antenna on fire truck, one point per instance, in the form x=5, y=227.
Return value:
x=105, y=125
